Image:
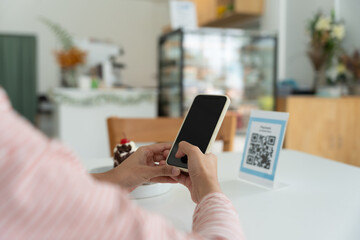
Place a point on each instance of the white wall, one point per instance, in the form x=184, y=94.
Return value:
x=135, y=24
x=298, y=12
x=1, y=11
x=270, y=19
x=289, y=19
x=349, y=13
x=271, y=22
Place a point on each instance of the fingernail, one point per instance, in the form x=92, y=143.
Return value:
x=175, y=171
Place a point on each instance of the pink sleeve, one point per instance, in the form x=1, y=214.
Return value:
x=45, y=193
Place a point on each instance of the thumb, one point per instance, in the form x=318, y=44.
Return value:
x=185, y=148
x=159, y=171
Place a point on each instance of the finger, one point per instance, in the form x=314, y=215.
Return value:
x=180, y=153
x=154, y=160
x=159, y=147
x=182, y=179
x=163, y=180
x=156, y=156
x=152, y=157
x=160, y=171
x=185, y=148
x=159, y=157
x=161, y=163
x=166, y=153
x=153, y=163
x=212, y=156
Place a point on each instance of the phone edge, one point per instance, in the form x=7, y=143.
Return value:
x=218, y=125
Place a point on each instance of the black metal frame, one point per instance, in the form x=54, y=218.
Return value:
x=275, y=71
x=161, y=41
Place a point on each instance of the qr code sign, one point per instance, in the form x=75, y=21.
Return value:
x=261, y=150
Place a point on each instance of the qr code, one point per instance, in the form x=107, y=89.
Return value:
x=261, y=150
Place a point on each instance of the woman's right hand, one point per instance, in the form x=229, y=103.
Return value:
x=202, y=176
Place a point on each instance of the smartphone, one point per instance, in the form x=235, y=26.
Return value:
x=200, y=126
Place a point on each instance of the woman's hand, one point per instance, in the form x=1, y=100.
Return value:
x=202, y=177
x=147, y=164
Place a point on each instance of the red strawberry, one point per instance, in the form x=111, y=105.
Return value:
x=124, y=141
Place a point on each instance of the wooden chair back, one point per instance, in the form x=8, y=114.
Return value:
x=161, y=129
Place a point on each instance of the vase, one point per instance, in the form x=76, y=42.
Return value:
x=69, y=77
x=319, y=79
x=355, y=90
x=318, y=58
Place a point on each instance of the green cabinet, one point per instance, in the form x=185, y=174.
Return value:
x=18, y=72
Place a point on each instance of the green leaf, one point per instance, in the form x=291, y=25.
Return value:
x=63, y=36
x=333, y=15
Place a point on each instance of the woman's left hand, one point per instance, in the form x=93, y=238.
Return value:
x=147, y=164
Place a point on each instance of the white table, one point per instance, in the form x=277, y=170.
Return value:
x=321, y=199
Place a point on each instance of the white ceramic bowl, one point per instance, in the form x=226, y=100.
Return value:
x=150, y=190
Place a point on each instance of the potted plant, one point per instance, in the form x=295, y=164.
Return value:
x=326, y=35
x=352, y=64
x=69, y=57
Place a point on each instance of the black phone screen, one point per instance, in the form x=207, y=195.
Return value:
x=198, y=126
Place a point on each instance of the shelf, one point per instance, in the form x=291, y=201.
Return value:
x=168, y=63
x=170, y=85
x=233, y=20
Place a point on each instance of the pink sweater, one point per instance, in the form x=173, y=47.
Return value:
x=45, y=193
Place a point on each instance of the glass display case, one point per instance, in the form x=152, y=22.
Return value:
x=238, y=63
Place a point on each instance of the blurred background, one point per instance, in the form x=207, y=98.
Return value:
x=68, y=65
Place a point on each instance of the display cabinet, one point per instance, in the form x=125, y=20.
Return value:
x=240, y=64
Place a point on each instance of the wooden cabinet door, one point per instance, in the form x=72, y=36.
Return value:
x=313, y=126
x=205, y=10
x=255, y=7
x=349, y=130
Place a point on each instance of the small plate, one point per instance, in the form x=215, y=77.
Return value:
x=144, y=191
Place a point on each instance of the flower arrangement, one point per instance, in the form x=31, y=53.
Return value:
x=69, y=57
x=352, y=64
x=326, y=35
